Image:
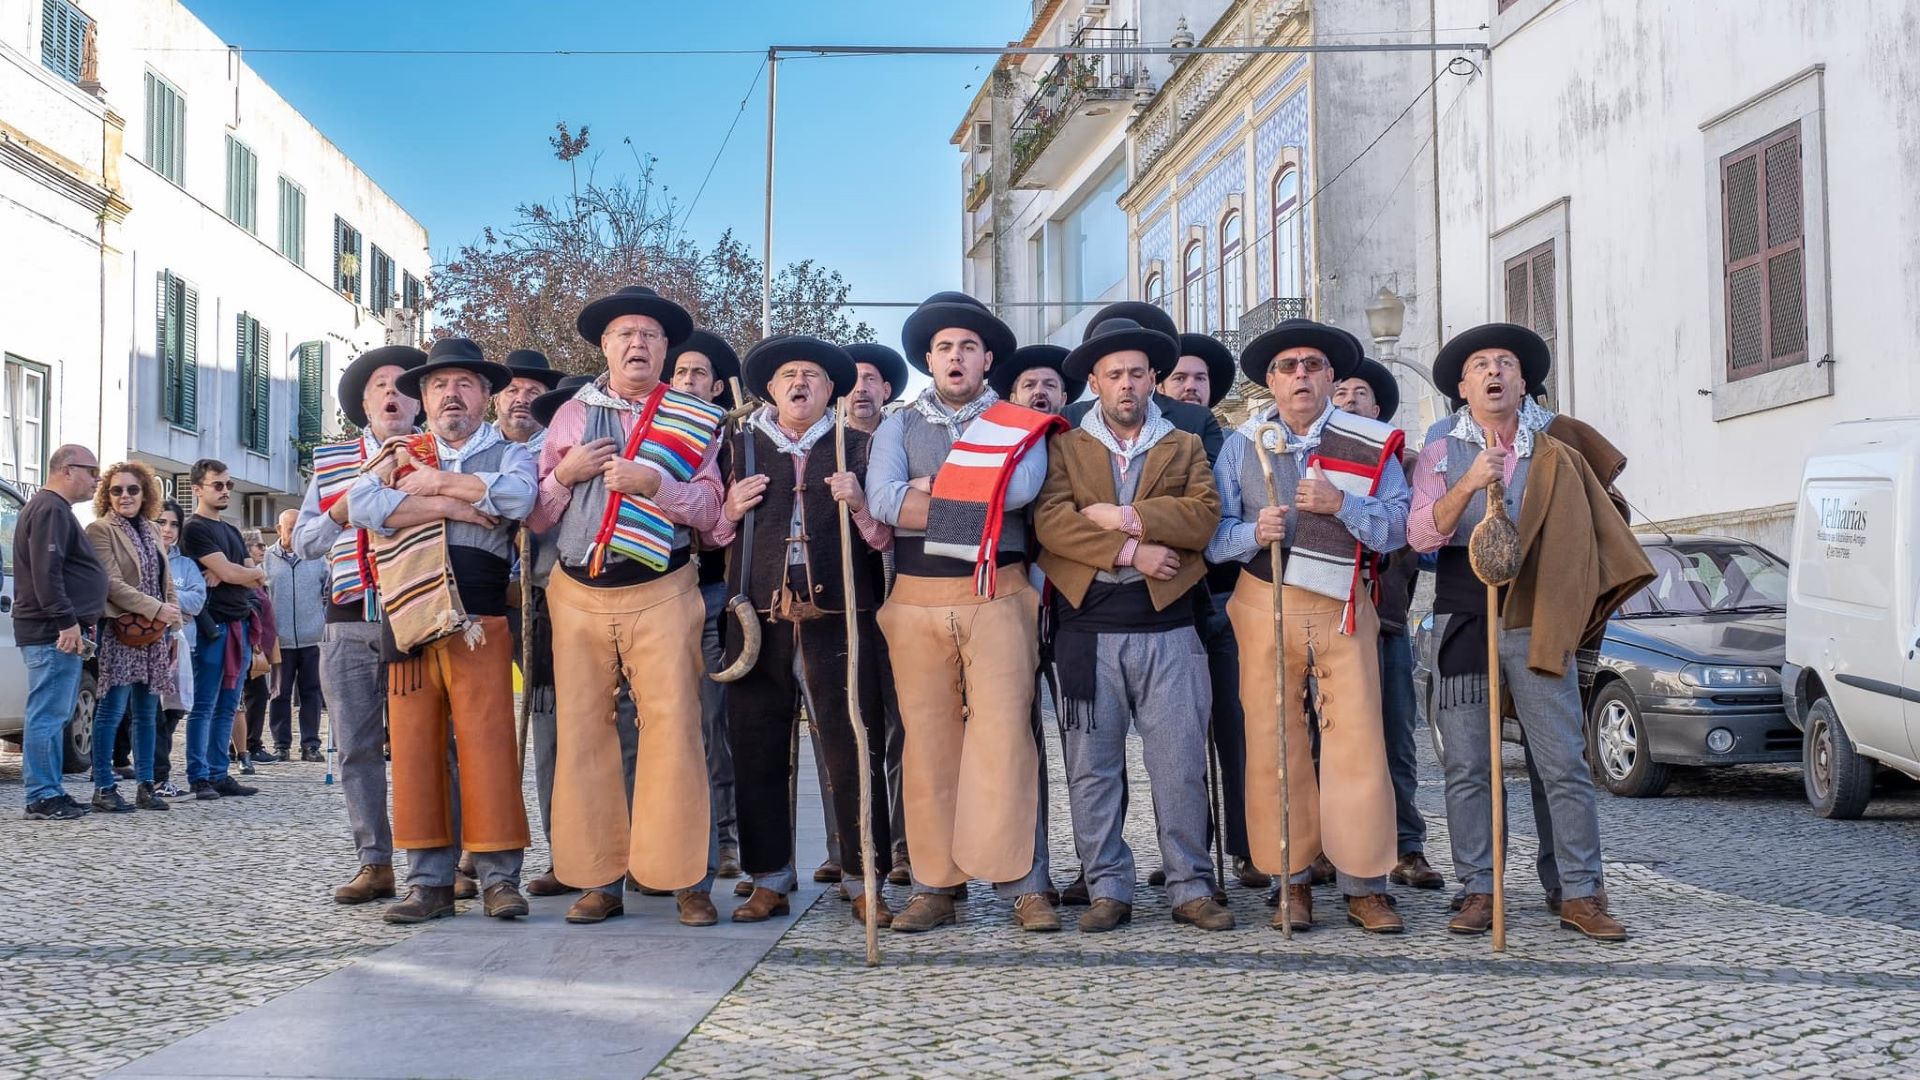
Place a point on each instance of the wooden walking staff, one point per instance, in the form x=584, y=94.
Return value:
x=1279, y=673
x=1494, y=551
x=525, y=718
x=868, y=879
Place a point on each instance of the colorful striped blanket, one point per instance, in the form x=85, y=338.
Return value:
x=349, y=567
x=411, y=568
x=969, y=495
x=673, y=432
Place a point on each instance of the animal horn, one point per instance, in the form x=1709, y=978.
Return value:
x=749, y=623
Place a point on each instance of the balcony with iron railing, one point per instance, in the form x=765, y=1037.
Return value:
x=1082, y=98
x=1245, y=396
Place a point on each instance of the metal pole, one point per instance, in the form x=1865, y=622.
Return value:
x=1480, y=47
x=766, y=242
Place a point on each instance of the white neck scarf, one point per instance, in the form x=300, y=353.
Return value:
x=930, y=406
x=1155, y=428
x=1296, y=444
x=768, y=422
x=483, y=436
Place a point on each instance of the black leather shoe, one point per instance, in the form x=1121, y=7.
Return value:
x=227, y=785
x=423, y=902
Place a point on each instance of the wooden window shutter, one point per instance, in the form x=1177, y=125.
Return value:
x=262, y=388
x=189, y=417
x=1518, y=293
x=166, y=338
x=1765, y=268
x=312, y=389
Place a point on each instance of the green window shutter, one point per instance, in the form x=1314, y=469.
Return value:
x=189, y=415
x=262, y=388
x=312, y=390
x=253, y=364
x=166, y=339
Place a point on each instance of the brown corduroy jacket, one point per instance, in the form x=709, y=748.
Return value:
x=1579, y=561
x=1175, y=499
x=122, y=560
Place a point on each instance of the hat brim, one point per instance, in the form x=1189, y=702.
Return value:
x=1151, y=316
x=916, y=335
x=1163, y=352
x=1003, y=377
x=549, y=377
x=891, y=367
x=1536, y=359
x=1386, y=389
x=767, y=357
x=1222, y=368
x=498, y=376
x=354, y=380
x=1337, y=345
x=719, y=354
x=673, y=319
x=546, y=405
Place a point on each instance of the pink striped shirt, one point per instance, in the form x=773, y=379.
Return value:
x=1429, y=485
x=694, y=503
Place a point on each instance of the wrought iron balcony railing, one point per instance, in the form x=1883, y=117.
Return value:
x=1072, y=80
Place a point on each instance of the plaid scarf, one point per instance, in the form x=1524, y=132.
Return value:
x=412, y=570
x=349, y=566
x=671, y=431
x=970, y=490
x=1351, y=451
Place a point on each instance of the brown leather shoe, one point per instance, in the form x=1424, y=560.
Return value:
x=881, y=914
x=1374, y=913
x=696, y=908
x=743, y=887
x=1475, y=917
x=505, y=902
x=1553, y=900
x=828, y=873
x=423, y=902
x=1322, y=870
x=1251, y=876
x=729, y=865
x=1075, y=895
x=1204, y=913
x=923, y=912
x=1103, y=915
x=373, y=882
x=1033, y=914
x=1414, y=872
x=548, y=885
x=464, y=887
x=764, y=904
x=901, y=874
x=1300, y=897
x=596, y=906
x=1588, y=914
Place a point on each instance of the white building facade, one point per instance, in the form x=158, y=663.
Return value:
x=1710, y=210
x=211, y=260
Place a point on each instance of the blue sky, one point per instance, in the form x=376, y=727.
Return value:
x=866, y=181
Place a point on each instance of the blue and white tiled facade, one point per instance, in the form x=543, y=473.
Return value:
x=1283, y=129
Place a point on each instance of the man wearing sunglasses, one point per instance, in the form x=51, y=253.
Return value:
x=220, y=658
x=1341, y=501
x=60, y=593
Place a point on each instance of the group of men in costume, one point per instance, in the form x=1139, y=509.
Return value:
x=670, y=573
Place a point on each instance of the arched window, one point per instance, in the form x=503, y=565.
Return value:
x=1195, y=287
x=1154, y=291
x=1233, y=286
x=1287, y=269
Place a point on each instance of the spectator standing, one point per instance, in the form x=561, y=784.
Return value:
x=191, y=589
x=298, y=588
x=221, y=660
x=59, y=594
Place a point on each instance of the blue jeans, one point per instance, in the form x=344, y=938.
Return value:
x=53, y=683
x=1397, y=721
x=107, y=715
x=210, y=724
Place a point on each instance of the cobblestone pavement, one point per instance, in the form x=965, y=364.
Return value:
x=1765, y=941
x=127, y=932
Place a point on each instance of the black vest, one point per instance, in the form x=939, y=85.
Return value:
x=820, y=522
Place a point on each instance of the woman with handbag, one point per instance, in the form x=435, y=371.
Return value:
x=136, y=651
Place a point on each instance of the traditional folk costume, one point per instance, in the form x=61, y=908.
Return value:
x=625, y=602
x=1332, y=654
x=1576, y=549
x=352, y=673
x=784, y=556
x=443, y=592
x=1125, y=649
x=961, y=622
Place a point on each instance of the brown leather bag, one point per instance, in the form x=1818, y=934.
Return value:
x=137, y=631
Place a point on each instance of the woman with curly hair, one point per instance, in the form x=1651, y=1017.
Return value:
x=136, y=649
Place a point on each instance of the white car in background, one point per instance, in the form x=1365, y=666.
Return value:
x=13, y=671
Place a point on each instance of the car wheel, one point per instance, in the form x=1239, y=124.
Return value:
x=1839, y=781
x=1617, y=746
x=79, y=740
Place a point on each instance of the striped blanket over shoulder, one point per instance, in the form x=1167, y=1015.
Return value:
x=673, y=432
x=349, y=568
x=969, y=494
x=412, y=569
x=1324, y=557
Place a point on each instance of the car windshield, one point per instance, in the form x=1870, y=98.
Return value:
x=1708, y=578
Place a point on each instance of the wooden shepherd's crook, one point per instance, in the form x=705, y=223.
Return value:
x=525, y=717
x=1279, y=674
x=868, y=879
x=1494, y=551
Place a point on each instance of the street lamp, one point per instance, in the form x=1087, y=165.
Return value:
x=1386, y=317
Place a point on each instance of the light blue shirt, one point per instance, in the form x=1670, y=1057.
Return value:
x=510, y=492
x=1378, y=521
x=888, y=476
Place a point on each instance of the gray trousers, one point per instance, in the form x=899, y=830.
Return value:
x=353, y=681
x=434, y=866
x=1550, y=717
x=1158, y=681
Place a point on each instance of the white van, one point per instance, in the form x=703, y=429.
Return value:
x=1852, y=672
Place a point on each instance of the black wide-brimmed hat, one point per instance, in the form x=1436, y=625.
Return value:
x=532, y=364
x=1028, y=357
x=455, y=352
x=768, y=355
x=634, y=300
x=1386, y=389
x=1341, y=349
x=549, y=403
x=1121, y=334
x=1536, y=360
x=725, y=362
x=1221, y=366
x=890, y=364
x=946, y=310
x=353, y=381
x=1151, y=316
